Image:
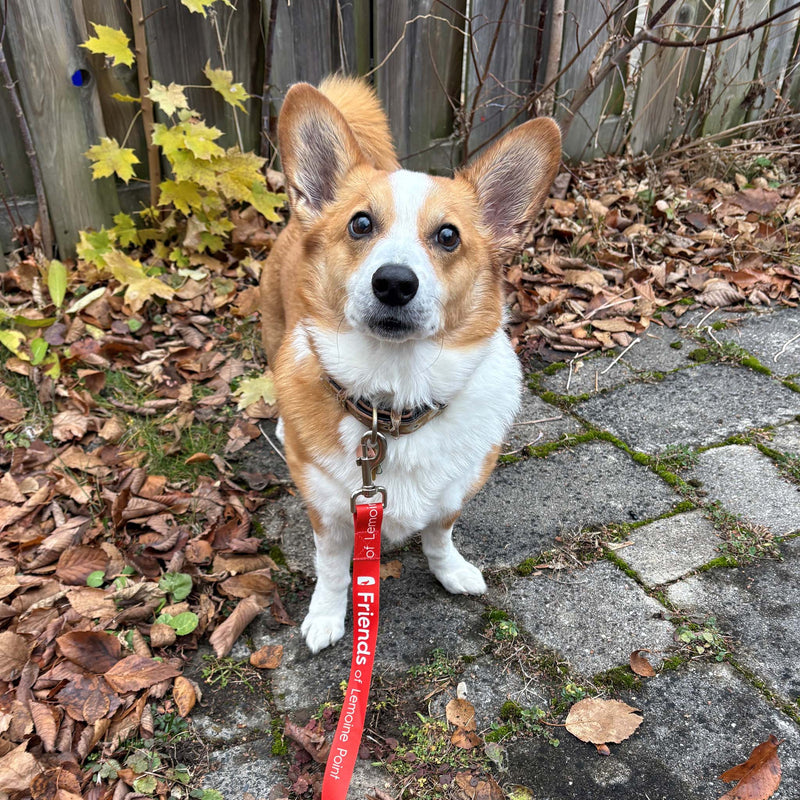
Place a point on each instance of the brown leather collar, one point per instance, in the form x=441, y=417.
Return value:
x=392, y=422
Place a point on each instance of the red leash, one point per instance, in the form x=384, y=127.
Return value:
x=366, y=595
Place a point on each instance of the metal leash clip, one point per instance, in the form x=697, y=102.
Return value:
x=372, y=450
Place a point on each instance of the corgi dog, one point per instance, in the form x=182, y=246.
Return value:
x=384, y=291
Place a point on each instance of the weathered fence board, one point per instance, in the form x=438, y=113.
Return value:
x=779, y=42
x=43, y=40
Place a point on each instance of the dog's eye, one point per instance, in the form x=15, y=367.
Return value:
x=447, y=236
x=360, y=225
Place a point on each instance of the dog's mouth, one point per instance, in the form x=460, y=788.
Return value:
x=392, y=328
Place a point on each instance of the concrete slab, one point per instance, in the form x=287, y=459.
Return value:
x=595, y=617
x=417, y=617
x=538, y=422
x=526, y=505
x=667, y=549
x=757, y=605
x=730, y=475
x=786, y=438
x=589, y=375
x=697, y=406
x=698, y=722
x=245, y=768
x=659, y=349
x=773, y=338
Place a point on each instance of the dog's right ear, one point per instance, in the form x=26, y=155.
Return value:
x=317, y=150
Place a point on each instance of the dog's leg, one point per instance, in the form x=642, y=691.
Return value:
x=451, y=569
x=324, y=623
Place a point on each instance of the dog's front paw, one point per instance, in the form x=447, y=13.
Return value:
x=458, y=576
x=322, y=630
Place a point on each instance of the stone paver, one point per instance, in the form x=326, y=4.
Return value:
x=525, y=506
x=668, y=548
x=757, y=605
x=773, y=338
x=589, y=375
x=595, y=617
x=698, y=719
x=697, y=723
x=698, y=406
x=747, y=483
x=537, y=423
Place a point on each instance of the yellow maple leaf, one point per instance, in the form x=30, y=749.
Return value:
x=184, y=195
x=200, y=6
x=169, y=98
x=109, y=158
x=112, y=43
x=139, y=287
x=251, y=390
x=221, y=81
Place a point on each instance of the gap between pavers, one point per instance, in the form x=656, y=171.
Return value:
x=538, y=423
x=701, y=405
x=757, y=605
x=769, y=335
x=594, y=617
x=747, y=483
x=589, y=375
x=698, y=721
x=665, y=550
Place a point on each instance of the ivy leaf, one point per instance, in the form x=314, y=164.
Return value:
x=200, y=6
x=252, y=390
x=184, y=195
x=109, y=158
x=178, y=584
x=266, y=202
x=221, y=81
x=112, y=43
x=169, y=98
x=139, y=287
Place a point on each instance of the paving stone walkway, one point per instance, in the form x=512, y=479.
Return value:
x=644, y=504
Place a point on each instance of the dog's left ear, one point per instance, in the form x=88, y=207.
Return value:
x=512, y=180
x=317, y=150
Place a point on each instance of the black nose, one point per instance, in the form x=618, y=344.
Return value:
x=394, y=284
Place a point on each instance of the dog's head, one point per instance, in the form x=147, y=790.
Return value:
x=402, y=255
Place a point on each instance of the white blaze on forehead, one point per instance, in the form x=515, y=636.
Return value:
x=409, y=191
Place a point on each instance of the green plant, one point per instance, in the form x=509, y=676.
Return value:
x=704, y=640
x=226, y=671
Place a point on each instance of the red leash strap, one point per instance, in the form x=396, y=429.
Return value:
x=366, y=594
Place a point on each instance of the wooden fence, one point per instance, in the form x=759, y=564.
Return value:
x=452, y=76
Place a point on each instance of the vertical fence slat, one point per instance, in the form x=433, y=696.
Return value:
x=511, y=45
x=43, y=39
x=778, y=43
x=418, y=77
x=355, y=50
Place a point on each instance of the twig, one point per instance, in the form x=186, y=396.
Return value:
x=520, y=449
x=783, y=349
x=538, y=421
x=635, y=341
x=700, y=324
x=148, y=118
x=30, y=152
x=273, y=445
x=221, y=48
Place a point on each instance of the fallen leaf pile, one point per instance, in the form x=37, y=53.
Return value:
x=618, y=253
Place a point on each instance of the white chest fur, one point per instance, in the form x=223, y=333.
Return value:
x=428, y=473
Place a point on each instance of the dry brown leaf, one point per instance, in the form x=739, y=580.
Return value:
x=311, y=738
x=461, y=714
x=162, y=635
x=69, y=425
x=46, y=724
x=599, y=721
x=719, y=293
x=465, y=739
x=474, y=788
x=76, y=564
x=391, y=569
x=640, y=665
x=11, y=409
x=138, y=672
x=268, y=657
x=228, y=632
x=17, y=769
x=92, y=603
x=95, y=651
x=9, y=490
x=88, y=698
x=759, y=777
x=14, y=653
x=247, y=584
x=184, y=695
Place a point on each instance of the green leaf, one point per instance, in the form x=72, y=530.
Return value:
x=184, y=623
x=251, y=390
x=45, y=322
x=94, y=246
x=266, y=202
x=112, y=43
x=169, y=98
x=57, y=282
x=178, y=584
x=38, y=351
x=125, y=230
x=184, y=195
x=139, y=287
x=86, y=300
x=221, y=81
x=108, y=158
x=200, y=6
x=146, y=784
x=53, y=366
x=96, y=579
